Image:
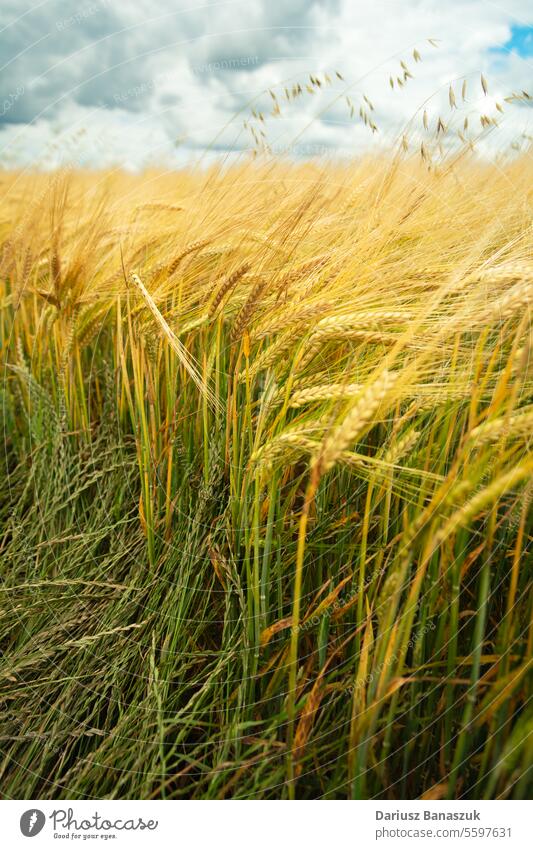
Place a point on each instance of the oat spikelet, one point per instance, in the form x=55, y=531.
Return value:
x=451, y=98
x=355, y=421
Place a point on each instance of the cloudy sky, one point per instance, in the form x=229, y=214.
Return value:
x=116, y=82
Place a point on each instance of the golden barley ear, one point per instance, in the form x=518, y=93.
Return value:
x=227, y=286
x=186, y=360
x=361, y=413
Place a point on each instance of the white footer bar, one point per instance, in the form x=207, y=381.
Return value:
x=266, y=825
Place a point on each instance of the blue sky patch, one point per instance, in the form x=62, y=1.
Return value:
x=521, y=42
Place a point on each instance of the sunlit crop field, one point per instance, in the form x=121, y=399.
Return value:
x=265, y=502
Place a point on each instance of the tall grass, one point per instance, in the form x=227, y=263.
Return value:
x=266, y=487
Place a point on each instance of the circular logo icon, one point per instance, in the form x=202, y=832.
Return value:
x=32, y=822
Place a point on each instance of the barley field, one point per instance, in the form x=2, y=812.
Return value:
x=265, y=502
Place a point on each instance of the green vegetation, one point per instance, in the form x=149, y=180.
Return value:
x=265, y=496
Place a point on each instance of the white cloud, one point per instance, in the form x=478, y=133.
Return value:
x=136, y=78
